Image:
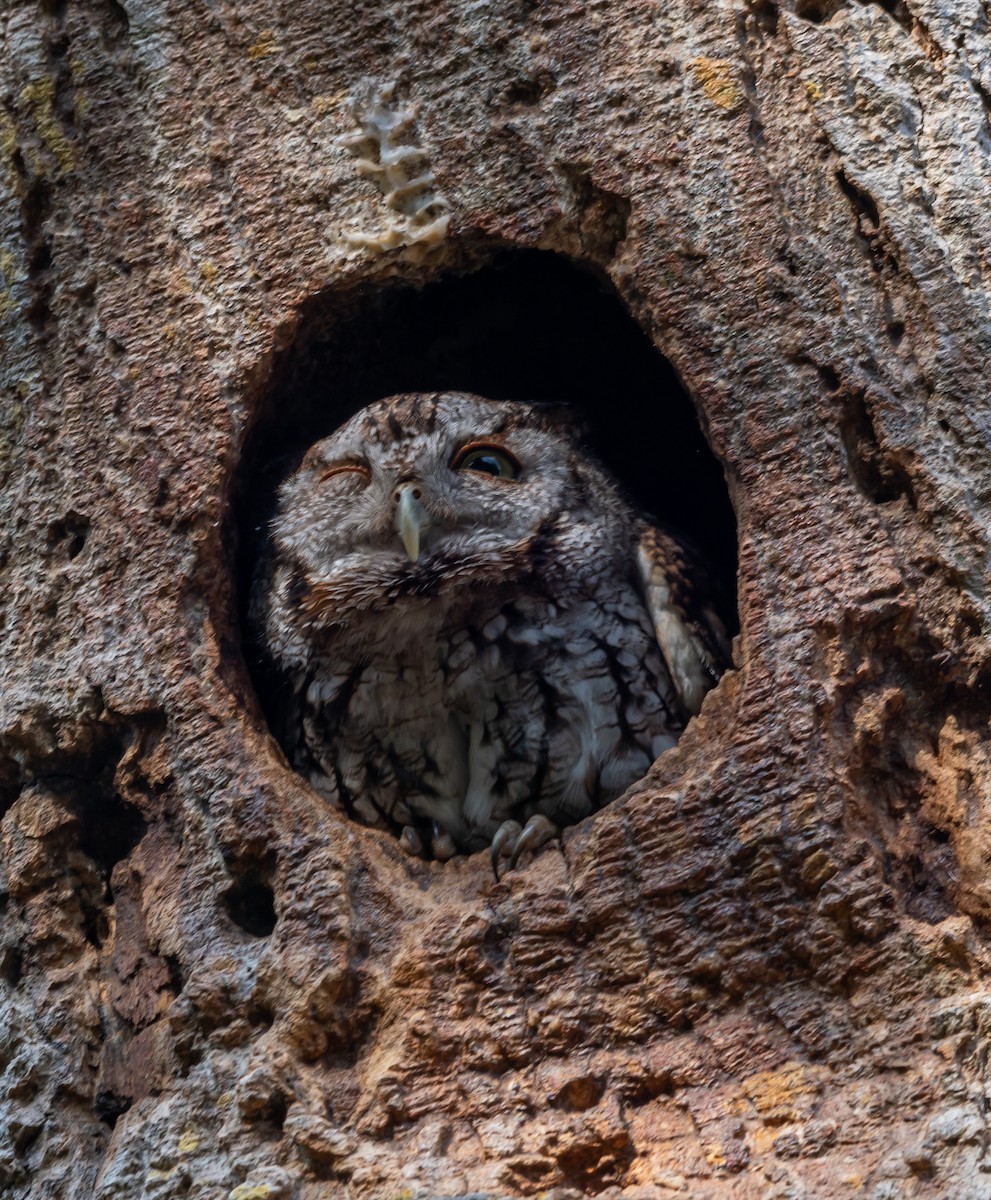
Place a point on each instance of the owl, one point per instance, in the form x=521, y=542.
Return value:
x=481, y=639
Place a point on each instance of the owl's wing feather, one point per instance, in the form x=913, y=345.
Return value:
x=691, y=636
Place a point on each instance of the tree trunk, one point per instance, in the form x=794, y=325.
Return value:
x=761, y=973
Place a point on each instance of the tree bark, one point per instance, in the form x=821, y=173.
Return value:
x=764, y=971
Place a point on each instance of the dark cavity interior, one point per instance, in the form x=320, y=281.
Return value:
x=531, y=326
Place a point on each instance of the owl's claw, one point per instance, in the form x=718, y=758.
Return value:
x=506, y=837
x=536, y=832
x=512, y=840
x=442, y=844
x=410, y=842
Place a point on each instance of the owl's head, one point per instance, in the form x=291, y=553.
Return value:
x=423, y=495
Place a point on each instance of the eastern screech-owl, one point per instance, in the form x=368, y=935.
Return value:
x=482, y=639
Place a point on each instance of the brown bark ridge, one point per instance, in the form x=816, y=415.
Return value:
x=764, y=971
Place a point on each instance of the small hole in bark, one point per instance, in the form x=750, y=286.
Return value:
x=41, y=257
x=817, y=11
x=34, y=208
x=269, y=1113
x=108, y=1106
x=640, y=1091
x=38, y=313
x=118, y=23
x=860, y=201
x=765, y=13
x=260, y=1015
x=177, y=977
x=110, y=829
x=580, y=1094
x=922, y=1167
x=528, y=90
x=189, y=1051
x=898, y=11
x=27, y=1135
x=868, y=224
x=69, y=533
x=162, y=494
x=12, y=965
x=95, y=924
x=8, y=794
x=58, y=44
x=877, y=475
x=830, y=380
x=277, y=1112
x=250, y=902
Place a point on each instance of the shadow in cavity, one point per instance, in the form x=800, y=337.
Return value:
x=529, y=326
x=250, y=900
x=108, y=1106
x=111, y=828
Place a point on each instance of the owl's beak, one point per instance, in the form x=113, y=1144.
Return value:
x=411, y=518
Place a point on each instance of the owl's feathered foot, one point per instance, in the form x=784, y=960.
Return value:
x=512, y=840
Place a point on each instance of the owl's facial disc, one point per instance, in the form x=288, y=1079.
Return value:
x=418, y=484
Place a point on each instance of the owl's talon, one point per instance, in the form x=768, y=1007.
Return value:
x=536, y=832
x=442, y=844
x=410, y=842
x=503, y=842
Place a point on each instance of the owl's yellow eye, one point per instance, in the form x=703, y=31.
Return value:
x=489, y=460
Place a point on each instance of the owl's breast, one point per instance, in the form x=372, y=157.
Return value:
x=517, y=707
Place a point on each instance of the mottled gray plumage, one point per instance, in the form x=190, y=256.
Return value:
x=478, y=630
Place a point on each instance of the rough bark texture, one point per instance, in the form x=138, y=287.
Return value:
x=764, y=972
